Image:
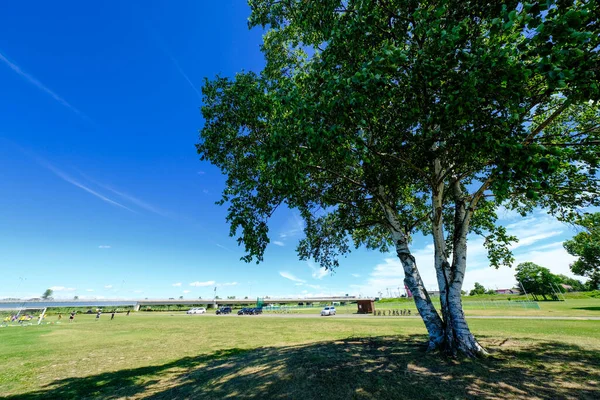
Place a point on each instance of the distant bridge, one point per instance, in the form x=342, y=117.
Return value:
x=17, y=304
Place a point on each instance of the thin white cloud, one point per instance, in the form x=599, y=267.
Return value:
x=202, y=284
x=278, y=243
x=356, y=275
x=104, y=247
x=529, y=240
x=126, y=196
x=222, y=247
x=317, y=272
x=161, y=43
x=62, y=289
x=131, y=199
x=176, y=284
x=506, y=214
x=291, y=277
x=186, y=291
x=108, y=287
x=549, y=246
x=72, y=181
x=228, y=284
x=184, y=75
x=294, y=227
x=40, y=85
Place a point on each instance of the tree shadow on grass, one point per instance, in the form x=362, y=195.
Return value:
x=362, y=368
x=587, y=308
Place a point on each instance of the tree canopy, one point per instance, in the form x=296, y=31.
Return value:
x=586, y=246
x=574, y=283
x=47, y=294
x=380, y=119
x=477, y=289
x=538, y=281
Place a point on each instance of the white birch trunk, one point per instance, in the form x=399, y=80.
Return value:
x=458, y=337
x=441, y=264
x=413, y=280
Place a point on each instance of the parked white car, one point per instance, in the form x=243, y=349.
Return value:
x=200, y=310
x=329, y=310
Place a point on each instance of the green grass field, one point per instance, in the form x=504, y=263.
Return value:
x=484, y=306
x=174, y=356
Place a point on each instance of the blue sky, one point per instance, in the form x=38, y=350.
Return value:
x=103, y=194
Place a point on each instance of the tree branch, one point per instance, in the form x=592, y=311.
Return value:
x=547, y=122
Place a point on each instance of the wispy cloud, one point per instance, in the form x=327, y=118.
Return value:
x=76, y=183
x=183, y=74
x=40, y=85
x=62, y=289
x=278, y=243
x=294, y=227
x=176, y=284
x=221, y=246
x=356, y=275
x=291, y=277
x=163, y=47
x=108, y=287
x=529, y=240
x=202, y=284
x=228, y=284
x=186, y=291
x=317, y=272
x=104, y=246
x=130, y=198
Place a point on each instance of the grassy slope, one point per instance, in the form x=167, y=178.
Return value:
x=162, y=356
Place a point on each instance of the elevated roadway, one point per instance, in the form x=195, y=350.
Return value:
x=137, y=304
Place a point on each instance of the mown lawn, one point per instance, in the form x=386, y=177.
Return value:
x=484, y=306
x=162, y=356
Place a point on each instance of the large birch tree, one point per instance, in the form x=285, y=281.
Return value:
x=378, y=119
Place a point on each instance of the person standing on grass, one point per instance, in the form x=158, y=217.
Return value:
x=72, y=316
x=112, y=316
x=98, y=315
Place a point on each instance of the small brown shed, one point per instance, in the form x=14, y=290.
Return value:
x=365, y=306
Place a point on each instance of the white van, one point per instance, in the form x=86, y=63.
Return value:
x=329, y=310
x=200, y=310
